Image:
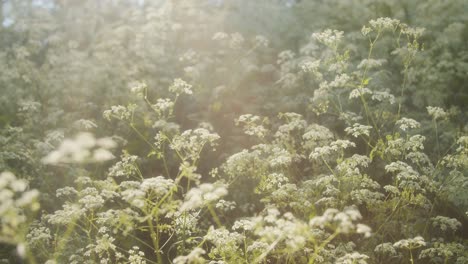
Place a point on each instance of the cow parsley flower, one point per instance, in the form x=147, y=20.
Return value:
x=410, y=243
x=358, y=130
x=407, y=123
x=446, y=223
x=179, y=86
x=358, y=92
x=195, y=256
x=126, y=167
x=138, y=87
x=329, y=37
x=371, y=63
x=158, y=186
x=310, y=66
x=253, y=125
x=437, y=113
x=385, y=249
x=384, y=23
x=353, y=258
x=203, y=194
x=120, y=112
x=83, y=148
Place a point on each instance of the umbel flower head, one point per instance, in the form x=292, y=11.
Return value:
x=83, y=148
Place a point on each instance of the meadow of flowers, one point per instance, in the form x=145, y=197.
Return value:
x=203, y=131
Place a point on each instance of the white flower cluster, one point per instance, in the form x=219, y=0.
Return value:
x=225, y=242
x=190, y=143
x=330, y=38
x=85, y=124
x=448, y=251
x=136, y=256
x=294, y=122
x=342, y=222
x=138, y=87
x=437, y=113
x=185, y=223
x=352, y=258
x=285, y=56
x=272, y=182
x=83, y=148
x=316, y=135
x=225, y=205
x=358, y=92
x=69, y=213
x=163, y=106
x=179, y=86
x=205, y=193
x=195, y=256
x=15, y=201
x=253, y=125
x=126, y=167
x=358, y=130
x=350, y=166
x=274, y=227
x=410, y=243
x=136, y=193
x=381, y=96
x=407, y=123
x=383, y=23
x=385, y=249
x=120, y=112
x=446, y=223
x=371, y=63
x=310, y=66
x=335, y=146
x=261, y=41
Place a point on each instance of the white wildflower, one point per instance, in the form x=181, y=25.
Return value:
x=329, y=37
x=407, y=123
x=179, y=86
x=203, y=194
x=437, y=113
x=195, y=256
x=358, y=130
x=410, y=243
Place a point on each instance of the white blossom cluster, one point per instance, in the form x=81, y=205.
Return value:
x=385, y=249
x=205, y=193
x=446, y=223
x=137, y=193
x=83, y=148
x=253, y=125
x=310, y=66
x=353, y=258
x=330, y=38
x=179, y=87
x=410, y=243
x=225, y=242
x=126, y=167
x=358, y=130
x=335, y=146
x=371, y=63
x=437, y=113
x=343, y=222
x=138, y=87
x=190, y=143
x=120, y=112
x=407, y=123
x=316, y=135
x=195, y=256
x=15, y=201
x=163, y=106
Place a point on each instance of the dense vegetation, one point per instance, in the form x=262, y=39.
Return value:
x=216, y=131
